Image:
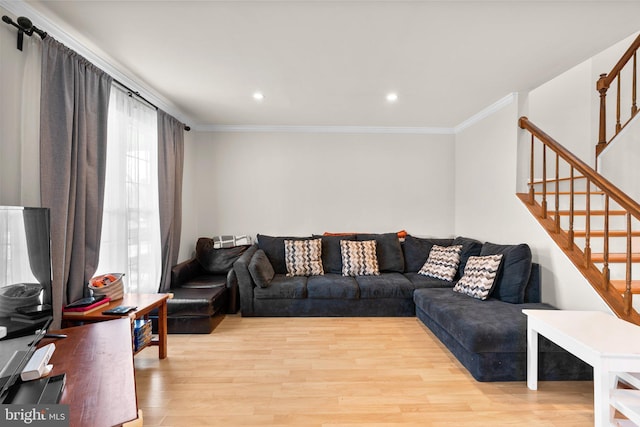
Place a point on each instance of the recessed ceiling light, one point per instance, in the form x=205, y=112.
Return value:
x=258, y=96
x=392, y=97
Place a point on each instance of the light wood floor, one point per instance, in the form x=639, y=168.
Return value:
x=333, y=372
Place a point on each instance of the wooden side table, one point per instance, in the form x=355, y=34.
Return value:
x=145, y=303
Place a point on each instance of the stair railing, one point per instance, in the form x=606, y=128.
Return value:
x=582, y=258
x=603, y=85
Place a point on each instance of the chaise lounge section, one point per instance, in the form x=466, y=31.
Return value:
x=204, y=289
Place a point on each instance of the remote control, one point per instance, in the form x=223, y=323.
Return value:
x=119, y=310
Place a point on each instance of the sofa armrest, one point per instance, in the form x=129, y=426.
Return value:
x=185, y=271
x=232, y=286
x=245, y=281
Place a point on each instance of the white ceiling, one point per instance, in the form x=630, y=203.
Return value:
x=331, y=63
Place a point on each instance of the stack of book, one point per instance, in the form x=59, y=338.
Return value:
x=32, y=314
x=141, y=333
x=84, y=306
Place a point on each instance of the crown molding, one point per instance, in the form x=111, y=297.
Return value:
x=486, y=112
x=110, y=66
x=101, y=60
x=327, y=129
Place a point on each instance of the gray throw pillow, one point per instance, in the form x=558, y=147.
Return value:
x=261, y=269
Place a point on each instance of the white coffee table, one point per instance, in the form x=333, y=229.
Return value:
x=605, y=342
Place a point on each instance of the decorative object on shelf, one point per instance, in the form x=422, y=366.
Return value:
x=142, y=334
x=19, y=295
x=109, y=285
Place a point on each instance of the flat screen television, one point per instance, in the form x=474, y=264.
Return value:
x=25, y=269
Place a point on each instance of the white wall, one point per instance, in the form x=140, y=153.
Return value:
x=302, y=183
x=567, y=107
x=486, y=207
x=619, y=162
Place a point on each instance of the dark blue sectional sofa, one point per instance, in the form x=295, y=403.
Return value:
x=487, y=336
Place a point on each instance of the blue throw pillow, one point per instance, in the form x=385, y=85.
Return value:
x=331, y=255
x=470, y=247
x=417, y=249
x=388, y=250
x=261, y=269
x=514, y=271
x=273, y=247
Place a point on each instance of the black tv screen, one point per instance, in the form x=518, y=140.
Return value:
x=25, y=269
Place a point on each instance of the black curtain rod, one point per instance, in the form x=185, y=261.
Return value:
x=25, y=26
x=136, y=93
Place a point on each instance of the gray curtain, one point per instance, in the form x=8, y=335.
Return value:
x=170, y=165
x=73, y=140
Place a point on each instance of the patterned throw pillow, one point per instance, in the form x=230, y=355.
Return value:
x=442, y=263
x=479, y=276
x=303, y=257
x=359, y=258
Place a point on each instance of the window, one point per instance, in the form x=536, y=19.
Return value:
x=130, y=241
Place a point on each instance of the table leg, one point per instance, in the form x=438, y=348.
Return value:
x=601, y=386
x=162, y=330
x=532, y=357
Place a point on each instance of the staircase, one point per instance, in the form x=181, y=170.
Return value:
x=595, y=224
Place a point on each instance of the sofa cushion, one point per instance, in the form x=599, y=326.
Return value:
x=388, y=250
x=359, y=258
x=303, y=257
x=470, y=247
x=387, y=285
x=514, y=271
x=205, y=281
x=283, y=287
x=421, y=281
x=489, y=326
x=261, y=269
x=196, y=302
x=442, y=263
x=332, y=286
x=416, y=251
x=216, y=261
x=331, y=254
x=479, y=276
x=274, y=248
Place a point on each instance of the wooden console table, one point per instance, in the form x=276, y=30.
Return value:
x=145, y=303
x=609, y=344
x=100, y=382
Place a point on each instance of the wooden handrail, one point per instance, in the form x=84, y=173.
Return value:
x=606, y=79
x=602, y=86
x=623, y=200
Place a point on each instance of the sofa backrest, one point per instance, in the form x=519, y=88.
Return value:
x=217, y=260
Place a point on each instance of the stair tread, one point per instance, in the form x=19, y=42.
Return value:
x=552, y=180
x=614, y=257
x=567, y=193
x=582, y=212
x=627, y=402
x=621, y=286
x=600, y=233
